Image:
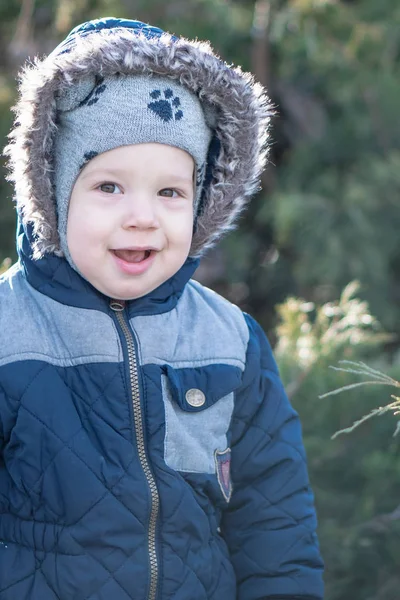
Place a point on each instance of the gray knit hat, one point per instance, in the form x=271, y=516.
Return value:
x=99, y=114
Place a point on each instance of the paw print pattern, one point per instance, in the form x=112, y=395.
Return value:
x=166, y=105
x=93, y=97
x=88, y=156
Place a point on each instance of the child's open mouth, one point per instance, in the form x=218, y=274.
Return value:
x=132, y=256
x=134, y=261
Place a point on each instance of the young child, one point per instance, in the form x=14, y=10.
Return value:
x=148, y=450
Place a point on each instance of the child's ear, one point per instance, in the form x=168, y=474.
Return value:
x=69, y=97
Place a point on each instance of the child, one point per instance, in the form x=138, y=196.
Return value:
x=148, y=450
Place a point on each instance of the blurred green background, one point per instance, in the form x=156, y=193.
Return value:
x=328, y=215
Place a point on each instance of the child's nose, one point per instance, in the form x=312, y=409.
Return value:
x=141, y=214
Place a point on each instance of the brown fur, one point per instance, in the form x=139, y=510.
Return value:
x=242, y=109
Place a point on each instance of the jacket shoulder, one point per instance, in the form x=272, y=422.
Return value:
x=33, y=326
x=14, y=312
x=210, y=304
x=248, y=333
x=12, y=284
x=204, y=328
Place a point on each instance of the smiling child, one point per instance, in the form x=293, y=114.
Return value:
x=147, y=448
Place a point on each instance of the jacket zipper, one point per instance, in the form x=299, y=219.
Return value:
x=118, y=306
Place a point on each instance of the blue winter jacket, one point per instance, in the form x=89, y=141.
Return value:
x=147, y=448
x=113, y=482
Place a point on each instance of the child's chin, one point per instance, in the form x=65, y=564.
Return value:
x=129, y=293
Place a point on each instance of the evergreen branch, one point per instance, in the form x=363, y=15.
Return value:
x=351, y=386
x=376, y=412
x=382, y=378
x=366, y=368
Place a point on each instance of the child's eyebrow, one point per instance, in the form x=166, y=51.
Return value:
x=120, y=172
x=103, y=171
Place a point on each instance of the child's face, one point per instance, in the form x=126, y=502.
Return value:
x=130, y=218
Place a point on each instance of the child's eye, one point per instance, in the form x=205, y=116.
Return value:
x=110, y=188
x=169, y=193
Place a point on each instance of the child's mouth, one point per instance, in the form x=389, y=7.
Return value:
x=134, y=262
x=132, y=256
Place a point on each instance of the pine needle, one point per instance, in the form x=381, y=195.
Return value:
x=397, y=430
x=359, y=372
x=376, y=412
x=351, y=386
x=367, y=369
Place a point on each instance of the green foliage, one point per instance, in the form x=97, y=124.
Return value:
x=309, y=335
x=372, y=377
x=338, y=188
x=356, y=478
x=332, y=214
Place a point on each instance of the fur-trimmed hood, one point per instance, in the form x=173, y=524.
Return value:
x=105, y=47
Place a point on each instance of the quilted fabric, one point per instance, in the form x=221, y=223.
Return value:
x=270, y=521
x=74, y=499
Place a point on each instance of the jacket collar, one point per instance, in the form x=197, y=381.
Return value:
x=54, y=277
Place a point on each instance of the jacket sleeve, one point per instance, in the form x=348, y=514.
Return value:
x=270, y=522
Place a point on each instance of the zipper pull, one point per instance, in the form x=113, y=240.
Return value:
x=117, y=305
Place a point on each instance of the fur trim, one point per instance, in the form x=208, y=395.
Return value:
x=242, y=116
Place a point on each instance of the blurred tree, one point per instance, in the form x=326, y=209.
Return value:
x=336, y=81
x=356, y=478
